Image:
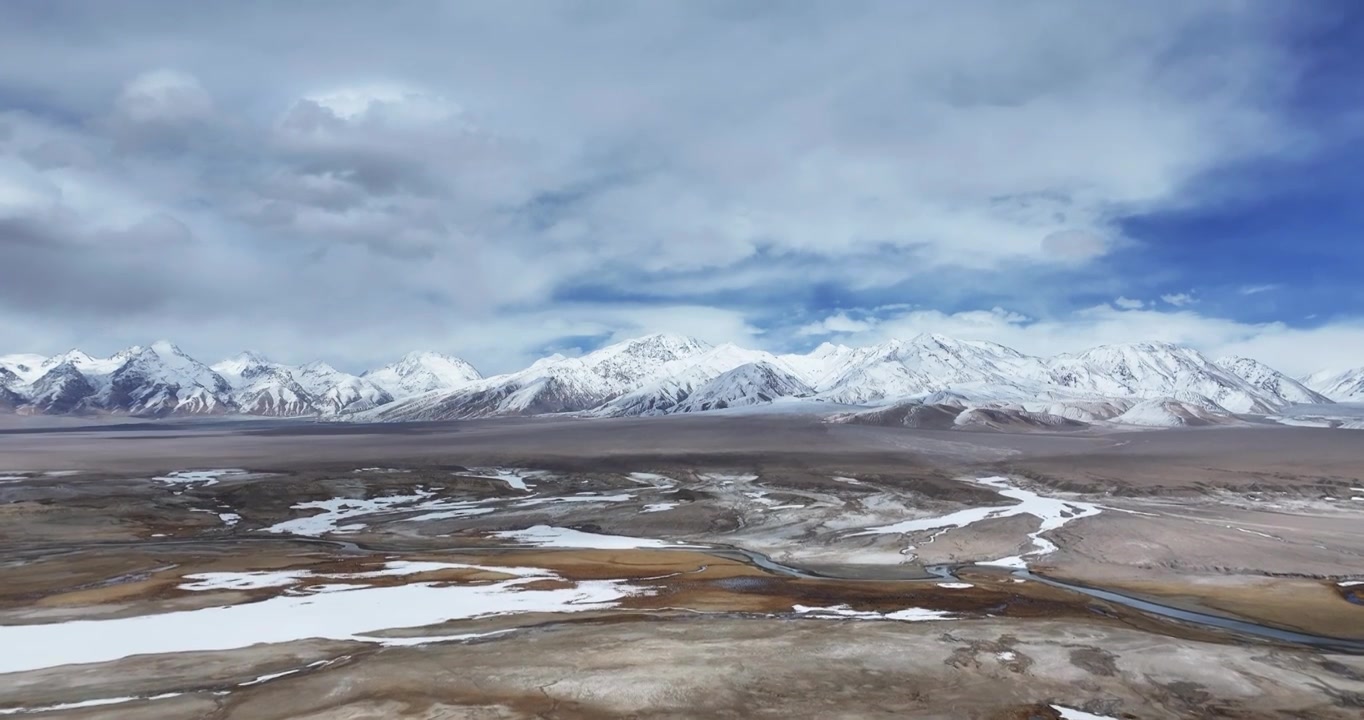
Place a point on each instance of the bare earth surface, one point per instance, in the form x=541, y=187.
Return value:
x=740, y=566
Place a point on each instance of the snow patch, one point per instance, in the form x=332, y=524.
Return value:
x=361, y=614
x=337, y=510
x=205, y=477
x=1068, y=713
x=85, y=704
x=546, y=536
x=1053, y=513
x=514, y=477
x=582, y=498
x=843, y=611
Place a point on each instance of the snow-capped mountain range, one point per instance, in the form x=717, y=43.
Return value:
x=925, y=380
x=161, y=380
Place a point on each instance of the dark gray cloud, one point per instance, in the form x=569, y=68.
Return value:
x=357, y=177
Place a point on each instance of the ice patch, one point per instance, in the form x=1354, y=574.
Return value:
x=1052, y=513
x=84, y=704
x=1013, y=562
x=514, y=477
x=229, y=519
x=760, y=496
x=1300, y=422
x=61, y=473
x=355, y=615
x=848, y=480
x=257, y=579
x=469, y=511
x=1073, y=714
x=654, y=479
x=955, y=585
x=337, y=510
x=428, y=639
x=1255, y=532
x=204, y=477
x=1006, y=656
x=546, y=536
x=1350, y=583
x=575, y=499
x=728, y=478
x=658, y=507
x=843, y=611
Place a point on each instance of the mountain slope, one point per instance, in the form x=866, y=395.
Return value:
x=1168, y=412
x=25, y=366
x=334, y=391
x=925, y=364
x=262, y=387
x=1156, y=370
x=1338, y=385
x=555, y=384
x=749, y=384
x=422, y=372
x=161, y=380
x=924, y=380
x=1266, y=378
x=60, y=390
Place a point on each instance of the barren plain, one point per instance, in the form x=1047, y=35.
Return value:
x=722, y=566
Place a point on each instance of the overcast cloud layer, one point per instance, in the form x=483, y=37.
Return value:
x=353, y=180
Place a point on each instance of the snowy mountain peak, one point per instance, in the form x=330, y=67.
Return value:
x=1160, y=383
x=243, y=366
x=659, y=346
x=422, y=372
x=1266, y=378
x=74, y=356
x=1339, y=385
x=164, y=347
x=634, y=360
x=750, y=384
x=1158, y=369
x=251, y=357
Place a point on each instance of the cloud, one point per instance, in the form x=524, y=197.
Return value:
x=1128, y=303
x=163, y=96
x=458, y=168
x=1257, y=289
x=1178, y=299
x=1074, y=245
x=837, y=323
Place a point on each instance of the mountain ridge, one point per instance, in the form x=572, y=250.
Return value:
x=658, y=374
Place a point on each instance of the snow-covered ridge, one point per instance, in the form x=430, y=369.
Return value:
x=162, y=380
x=1338, y=385
x=929, y=380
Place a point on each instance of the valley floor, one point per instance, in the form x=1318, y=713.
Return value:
x=678, y=567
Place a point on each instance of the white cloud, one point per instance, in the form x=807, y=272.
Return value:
x=1257, y=289
x=835, y=324
x=1128, y=303
x=164, y=96
x=446, y=176
x=1178, y=299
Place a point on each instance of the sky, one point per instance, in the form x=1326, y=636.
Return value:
x=353, y=180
